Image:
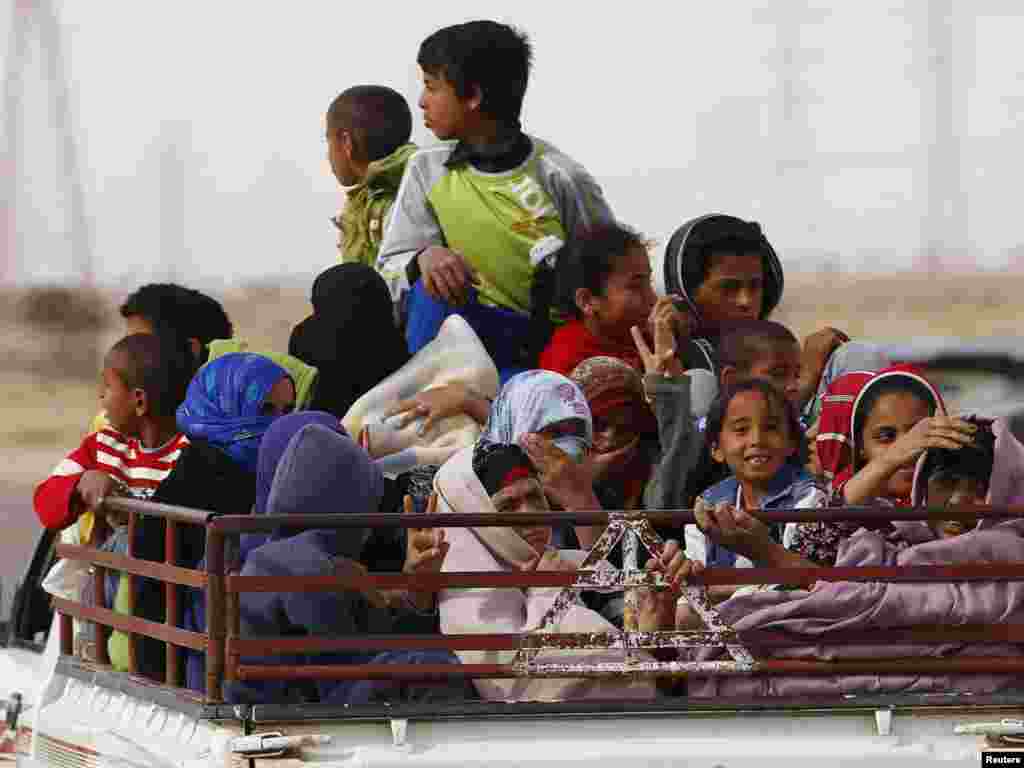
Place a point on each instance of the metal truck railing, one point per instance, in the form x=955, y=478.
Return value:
x=224, y=645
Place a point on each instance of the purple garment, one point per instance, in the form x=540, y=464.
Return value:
x=874, y=605
x=320, y=472
x=272, y=448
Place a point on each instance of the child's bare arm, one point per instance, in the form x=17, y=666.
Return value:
x=818, y=347
x=933, y=432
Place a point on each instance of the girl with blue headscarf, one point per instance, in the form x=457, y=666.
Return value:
x=232, y=402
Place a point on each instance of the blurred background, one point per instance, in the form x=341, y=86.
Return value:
x=878, y=143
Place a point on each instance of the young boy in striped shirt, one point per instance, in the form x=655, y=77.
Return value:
x=144, y=380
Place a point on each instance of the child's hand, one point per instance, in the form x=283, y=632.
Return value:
x=946, y=432
x=445, y=274
x=94, y=486
x=658, y=607
x=346, y=567
x=432, y=406
x=425, y=550
x=549, y=560
x=607, y=464
x=668, y=320
x=565, y=482
x=818, y=348
x=661, y=362
x=732, y=528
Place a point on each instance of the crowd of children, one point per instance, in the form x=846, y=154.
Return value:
x=629, y=382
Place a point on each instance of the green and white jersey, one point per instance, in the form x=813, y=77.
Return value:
x=494, y=220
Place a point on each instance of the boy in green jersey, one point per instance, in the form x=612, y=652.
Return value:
x=479, y=216
x=368, y=130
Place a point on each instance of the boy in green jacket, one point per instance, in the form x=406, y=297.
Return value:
x=368, y=130
x=478, y=216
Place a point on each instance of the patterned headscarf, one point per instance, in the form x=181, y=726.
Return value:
x=224, y=405
x=609, y=383
x=534, y=400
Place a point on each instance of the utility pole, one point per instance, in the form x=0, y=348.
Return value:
x=798, y=176
x=174, y=148
x=943, y=225
x=40, y=17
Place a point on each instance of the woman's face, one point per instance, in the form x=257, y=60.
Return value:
x=525, y=496
x=564, y=428
x=281, y=398
x=615, y=429
x=894, y=414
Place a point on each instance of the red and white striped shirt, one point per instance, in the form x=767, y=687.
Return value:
x=123, y=458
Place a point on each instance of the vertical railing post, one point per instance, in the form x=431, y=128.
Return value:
x=67, y=635
x=172, y=617
x=215, y=618
x=631, y=608
x=133, y=651
x=234, y=622
x=101, y=632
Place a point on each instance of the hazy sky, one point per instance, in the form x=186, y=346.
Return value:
x=815, y=120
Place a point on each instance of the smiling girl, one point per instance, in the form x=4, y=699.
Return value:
x=753, y=430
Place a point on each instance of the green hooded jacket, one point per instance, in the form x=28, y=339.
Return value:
x=366, y=209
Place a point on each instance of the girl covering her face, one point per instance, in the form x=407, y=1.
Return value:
x=622, y=419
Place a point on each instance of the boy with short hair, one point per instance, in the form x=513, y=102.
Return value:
x=760, y=349
x=368, y=131
x=144, y=380
x=167, y=307
x=722, y=269
x=478, y=216
x=182, y=315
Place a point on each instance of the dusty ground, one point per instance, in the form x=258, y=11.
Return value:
x=46, y=406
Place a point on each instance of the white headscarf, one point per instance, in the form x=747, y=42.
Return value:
x=533, y=400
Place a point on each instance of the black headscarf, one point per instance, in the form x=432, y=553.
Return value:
x=680, y=269
x=350, y=337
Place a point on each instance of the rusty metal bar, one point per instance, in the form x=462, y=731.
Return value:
x=102, y=633
x=981, y=634
x=437, y=672
x=234, y=633
x=172, y=614
x=133, y=651
x=126, y=506
x=153, y=570
x=126, y=623
x=772, y=667
x=67, y=634
x=879, y=515
x=710, y=577
x=215, y=619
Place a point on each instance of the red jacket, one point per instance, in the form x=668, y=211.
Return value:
x=123, y=458
x=573, y=343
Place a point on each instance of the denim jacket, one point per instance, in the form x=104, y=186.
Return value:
x=791, y=487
